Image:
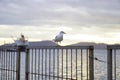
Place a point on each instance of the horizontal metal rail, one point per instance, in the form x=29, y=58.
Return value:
x=61, y=47
x=113, y=46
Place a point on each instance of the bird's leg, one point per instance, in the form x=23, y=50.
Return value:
x=57, y=43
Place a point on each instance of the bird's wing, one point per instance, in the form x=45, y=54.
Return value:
x=55, y=38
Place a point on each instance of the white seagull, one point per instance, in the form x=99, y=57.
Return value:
x=59, y=37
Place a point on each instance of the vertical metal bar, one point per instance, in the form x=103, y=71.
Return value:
x=2, y=63
x=53, y=64
x=7, y=71
x=6, y=65
x=14, y=61
x=66, y=63
x=71, y=63
x=27, y=64
x=57, y=64
x=13, y=64
x=1, y=57
x=32, y=65
x=62, y=63
x=35, y=64
x=91, y=63
x=18, y=64
x=39, y=57
x=87, y=63
x=10, y=64
x=49, y=63
x=81, y=65
x=1, y=60
x=109, y=64
x=114, y=64
x=42, y=64
x=76, y=64
x=45, y=63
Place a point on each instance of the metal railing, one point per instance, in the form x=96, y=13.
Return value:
x=55, y=63
x=113, y=62
x=48, y=63
x=8, y=63
x=60, y=63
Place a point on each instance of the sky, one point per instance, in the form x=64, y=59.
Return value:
x=83, y=20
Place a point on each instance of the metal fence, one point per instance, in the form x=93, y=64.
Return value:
x=48, y=63
x=113, y=62
x=8, y=63
x=55, y=63
x=59, y=63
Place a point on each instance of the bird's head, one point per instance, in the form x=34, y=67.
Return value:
x=62, y=32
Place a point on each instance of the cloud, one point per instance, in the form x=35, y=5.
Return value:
x=43, y=19
x=40, y=12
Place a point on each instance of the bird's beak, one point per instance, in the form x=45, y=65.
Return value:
x=64, y=33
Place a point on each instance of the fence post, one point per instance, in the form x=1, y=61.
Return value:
x=27, y=64
x=109, y=64
x=91, y=63
x=18, y=64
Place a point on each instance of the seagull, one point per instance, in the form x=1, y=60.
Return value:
x=59, y=37
x=22, y=37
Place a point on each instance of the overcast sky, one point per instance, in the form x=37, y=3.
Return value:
x=82, y=20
